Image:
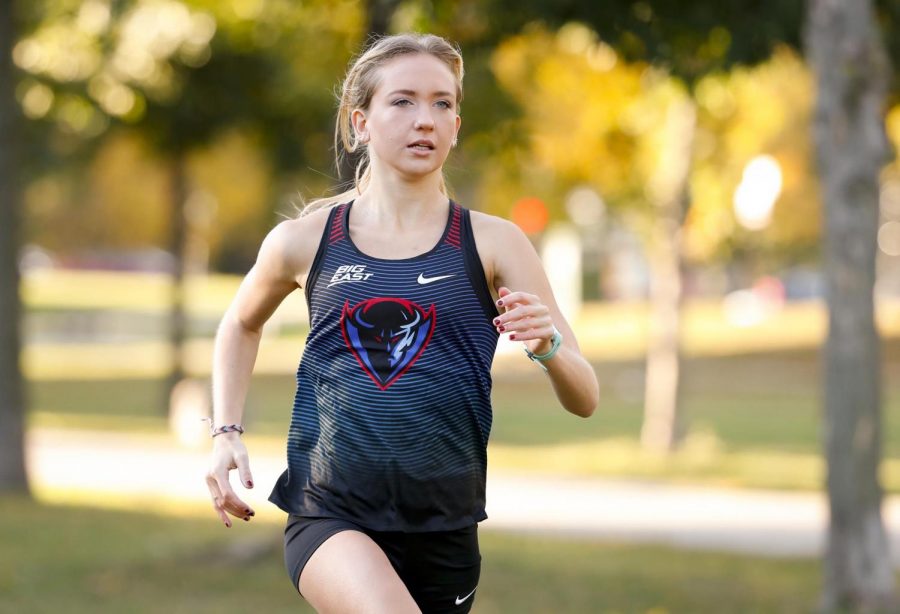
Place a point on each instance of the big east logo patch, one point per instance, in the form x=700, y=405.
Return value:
x=386, y=335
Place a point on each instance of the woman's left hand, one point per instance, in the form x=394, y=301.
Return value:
x=526, y=319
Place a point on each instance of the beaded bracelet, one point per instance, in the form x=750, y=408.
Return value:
x=225, y=428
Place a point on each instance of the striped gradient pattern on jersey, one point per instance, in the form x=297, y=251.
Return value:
x=431, y=424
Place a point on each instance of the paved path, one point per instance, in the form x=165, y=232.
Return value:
x=155, y=468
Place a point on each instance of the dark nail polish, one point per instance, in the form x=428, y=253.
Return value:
x=512, y=337
x=501, y=328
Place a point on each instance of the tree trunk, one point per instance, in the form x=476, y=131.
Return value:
x=380, y=14
x=851, y=67
x=13, y=476
x=178, y=249
x=662, y=428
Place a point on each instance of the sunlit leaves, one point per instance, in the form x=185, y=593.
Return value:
x=184, y=76
x=35, y=97
x=107, y=65
x=594, y=119
x=575, y=97
x=892, y=125
x=689, y=39
x=743, y=114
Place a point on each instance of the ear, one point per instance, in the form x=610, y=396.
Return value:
x=360, y=123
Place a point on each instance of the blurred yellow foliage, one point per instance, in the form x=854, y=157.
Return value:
x=590, y=118
x=120, y=201
x=235, y=178
x=743, y=114
x=576, y=97
x=893, y=133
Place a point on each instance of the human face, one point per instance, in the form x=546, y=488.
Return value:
x=415, y=102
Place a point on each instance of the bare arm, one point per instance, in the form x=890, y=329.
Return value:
x=529, y=311
x=237, y=340
x=284, y=258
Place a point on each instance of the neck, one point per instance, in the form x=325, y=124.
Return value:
x=392, y=199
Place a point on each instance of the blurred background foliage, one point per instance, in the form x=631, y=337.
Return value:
x=119, y=88
x=220, y=113
x=565, y=120
x=245, y=90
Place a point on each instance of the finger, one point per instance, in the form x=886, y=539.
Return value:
x=217, y=501
x=522, y=311
x=230, y=501
x=534, y=333
x=514, y=298
x=225, y=505
x=522, y=325
x=522, y=319
x=243, y=466
x=503, y=292
x=236, y=507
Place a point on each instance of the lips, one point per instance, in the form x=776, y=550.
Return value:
x=421, y=144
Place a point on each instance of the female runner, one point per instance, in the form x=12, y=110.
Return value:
x=408, y=293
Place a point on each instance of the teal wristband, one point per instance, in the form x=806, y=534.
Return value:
x=555, y=343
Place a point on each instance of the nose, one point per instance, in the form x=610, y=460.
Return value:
x=424, y=121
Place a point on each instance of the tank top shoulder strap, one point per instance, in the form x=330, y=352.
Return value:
x=453, y=234
x=331, y=234
x=474, y=268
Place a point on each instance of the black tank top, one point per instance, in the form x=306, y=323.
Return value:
x=392, y=412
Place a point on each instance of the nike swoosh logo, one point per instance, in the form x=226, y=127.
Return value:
x=427, y=280
x=459, y=601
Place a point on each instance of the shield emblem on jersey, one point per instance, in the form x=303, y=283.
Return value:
x=386, y=335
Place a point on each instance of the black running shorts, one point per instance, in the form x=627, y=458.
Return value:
x=439, y=568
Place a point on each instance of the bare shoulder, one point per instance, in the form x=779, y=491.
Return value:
x=290, y=247
x=281, y=267
x=500, y=243
x=485, y=225
x=495, y=235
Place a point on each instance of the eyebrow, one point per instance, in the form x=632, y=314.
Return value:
x=413, y=93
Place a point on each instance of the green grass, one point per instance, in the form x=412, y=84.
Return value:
x=142, y=292
x=526, y=412
x=114, y=315
x=753, y=420
x=751, y=397
x=756, y=401
x=75, y=559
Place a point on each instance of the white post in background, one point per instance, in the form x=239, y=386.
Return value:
x=561, y=254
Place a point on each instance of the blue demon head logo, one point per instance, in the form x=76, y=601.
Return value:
x=386, y=335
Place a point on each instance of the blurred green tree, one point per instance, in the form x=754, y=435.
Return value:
x=687, y=41
x=745, y=112
x=843, y=43
x=179, y=75
x=597, y=120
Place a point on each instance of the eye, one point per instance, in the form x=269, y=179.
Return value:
x=447, y=104
x=401, y=100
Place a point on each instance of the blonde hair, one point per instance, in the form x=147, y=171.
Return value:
x=356, y=93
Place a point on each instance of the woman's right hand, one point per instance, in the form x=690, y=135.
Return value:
x=229, y=453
